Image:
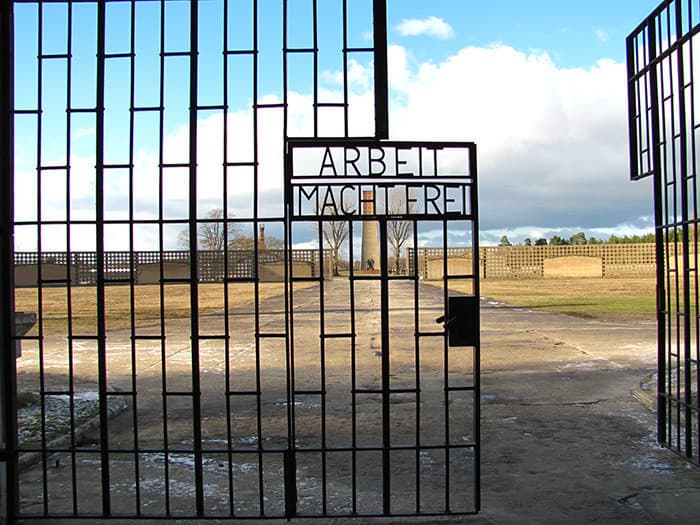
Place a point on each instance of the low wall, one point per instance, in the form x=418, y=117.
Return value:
x=574, y=266
x=51, y=275
x=149, y=273
x=274, y=272
x=536, y=262
x=455, y=266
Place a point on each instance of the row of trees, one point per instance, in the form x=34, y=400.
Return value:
x=580, y=238
x=219, y=234
x=335, y=232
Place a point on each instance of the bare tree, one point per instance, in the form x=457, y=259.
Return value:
x=274, y=243
x=212, y=235
x=242, y=242
x=334, y=234
x=398, y=230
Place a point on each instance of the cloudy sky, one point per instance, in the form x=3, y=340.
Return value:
x=538, y=85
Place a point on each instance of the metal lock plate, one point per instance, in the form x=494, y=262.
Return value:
x=462, y=320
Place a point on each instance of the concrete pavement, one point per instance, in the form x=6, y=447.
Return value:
x=564, y=438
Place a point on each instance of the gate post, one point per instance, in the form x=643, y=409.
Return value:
x=381, y=71
x=7, y=363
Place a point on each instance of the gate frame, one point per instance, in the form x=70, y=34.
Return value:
x=9, y=449
x=661, y=147
x=461, y=313
x=8, y=439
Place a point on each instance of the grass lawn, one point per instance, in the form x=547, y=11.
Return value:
x=619, y=299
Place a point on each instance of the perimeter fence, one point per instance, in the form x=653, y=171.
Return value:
x=535, y=262
x=152, y=267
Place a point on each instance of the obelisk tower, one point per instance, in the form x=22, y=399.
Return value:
x=370, y=234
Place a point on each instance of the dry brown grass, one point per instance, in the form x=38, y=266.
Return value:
x=624, y=298
x=147, y=303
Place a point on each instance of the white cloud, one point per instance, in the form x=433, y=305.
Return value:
x=359, y=77
x=601, y=34
x=85, y=132
x=552, y=141
x=431, y=26
x=176, y=191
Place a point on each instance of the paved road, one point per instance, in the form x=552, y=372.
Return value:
x=564, y=439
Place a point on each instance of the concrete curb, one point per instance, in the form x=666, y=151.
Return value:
x=29, y=459
x=644, y=395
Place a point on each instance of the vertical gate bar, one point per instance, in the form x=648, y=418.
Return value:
x=314, y=25
x=632, y=104
x=132, y=265
x=659, y=192
x=669, y=145
x=386, y=377
x=645, y=43
x=417, y=344
x=100, y=270
x=679, y=313
x=346, y=125
x=446, y=361
x=285, y=78
x=290, y=488
x=256, y=270
x=669, y=229
x=161, y=269
x=683, y=175
x=696, y=296
x=227, y=321
x=381, y=75
x=194, y=265
x=474, y=204
x=290, y=466
x=679, y=288
x=39, y=235
x=353, y=364
x=69, y=300
x=322, y=324
x=132, y=262
x=9, y=453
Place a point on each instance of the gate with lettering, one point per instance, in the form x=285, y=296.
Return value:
x=384, y=364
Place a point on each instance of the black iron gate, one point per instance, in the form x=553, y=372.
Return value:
x=662, y=59
x=278, y=391
x=385, y=401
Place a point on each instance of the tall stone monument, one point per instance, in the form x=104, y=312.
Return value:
x=370, y=235
x=262, y=246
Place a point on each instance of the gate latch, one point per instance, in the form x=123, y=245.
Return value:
x=461, y=320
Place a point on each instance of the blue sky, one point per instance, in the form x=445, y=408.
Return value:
x=539, y=85
x=574, y=33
